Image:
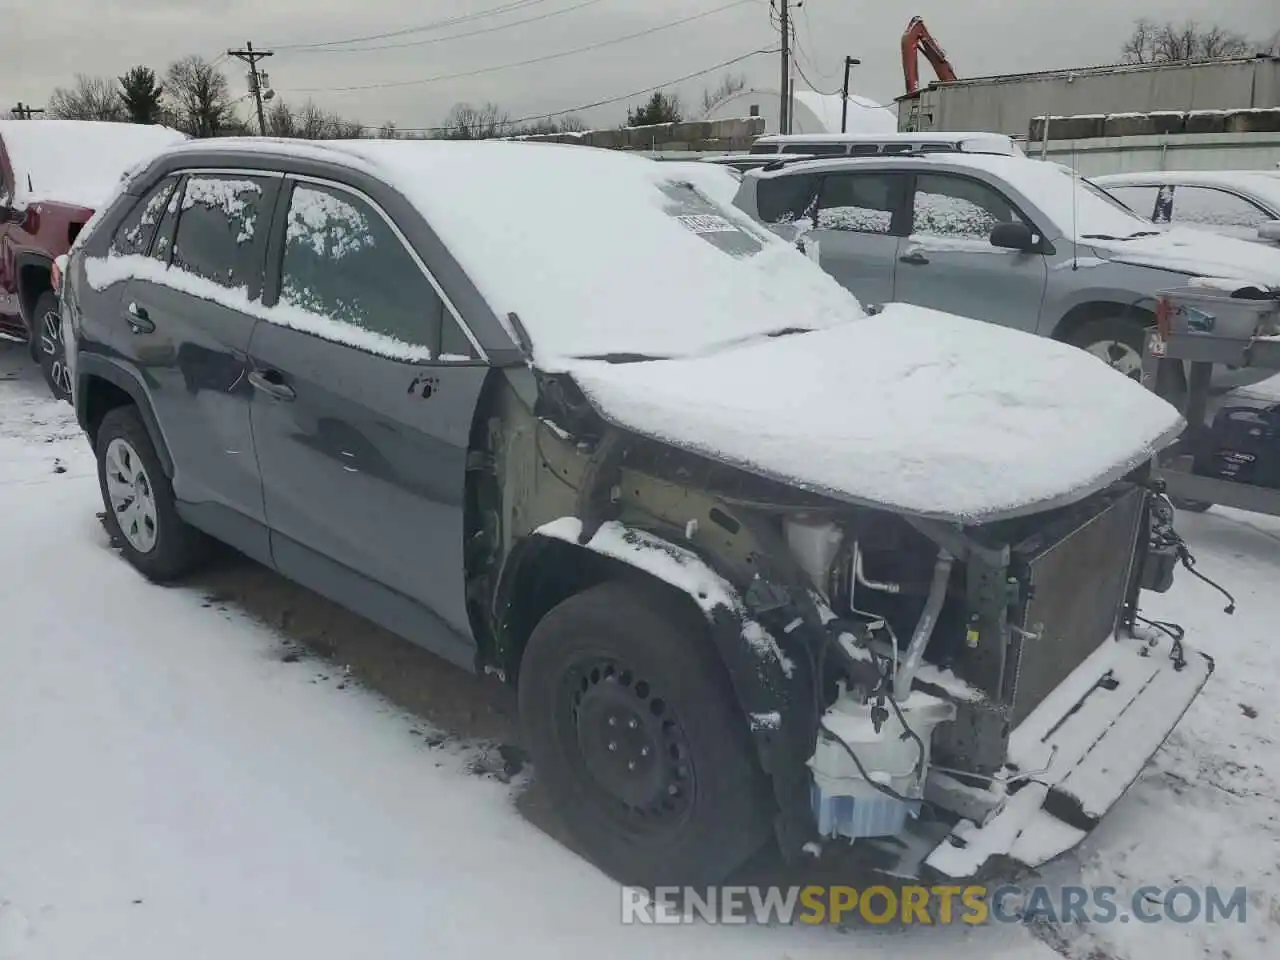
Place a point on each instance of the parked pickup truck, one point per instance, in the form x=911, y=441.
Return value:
x=53, y=175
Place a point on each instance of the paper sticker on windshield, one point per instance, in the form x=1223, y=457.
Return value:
x=707, y=223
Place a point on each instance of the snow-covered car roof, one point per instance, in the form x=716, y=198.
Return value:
x=1263, y=184
x=606, y=257
x=77, y=162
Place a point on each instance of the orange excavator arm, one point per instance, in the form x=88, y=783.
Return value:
x=917, y=39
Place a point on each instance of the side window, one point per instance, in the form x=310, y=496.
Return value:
x=216, y=225
x=134, y=234
x=859, y=202
x=1208, y=207
x=958, y=208
x=786, y=199
x=344, y=265
x=1141, y=200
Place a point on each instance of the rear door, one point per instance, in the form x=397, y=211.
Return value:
x=186, y=321
x=366, y=386
x=948, y=262
x=858, y=230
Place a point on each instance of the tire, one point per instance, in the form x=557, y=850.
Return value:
x=1114, y=340
x=48, y=346
x=1120, y=342
x=634, y=659
x=152, y=537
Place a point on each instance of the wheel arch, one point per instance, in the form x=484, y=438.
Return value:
x=35, y=276
x=102, y=386
x=1096, y=309
x=550, y=565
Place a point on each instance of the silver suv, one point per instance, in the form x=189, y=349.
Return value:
x=1011, y=240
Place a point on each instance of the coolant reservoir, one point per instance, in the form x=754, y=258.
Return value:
x=845, y=804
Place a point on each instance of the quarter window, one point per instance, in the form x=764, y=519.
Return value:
x=134, y=234
x=1140, y=199
x=959, y=208
x=217, y=224
x=344, y=265
x=786, y=199
x=859, y=203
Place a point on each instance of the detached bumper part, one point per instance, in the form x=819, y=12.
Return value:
x=1088, y=742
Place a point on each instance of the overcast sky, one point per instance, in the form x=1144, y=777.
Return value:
x=43, y=44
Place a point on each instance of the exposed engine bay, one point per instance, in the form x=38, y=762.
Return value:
x=948, y=693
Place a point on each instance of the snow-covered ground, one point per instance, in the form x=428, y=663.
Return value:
x=171, y=786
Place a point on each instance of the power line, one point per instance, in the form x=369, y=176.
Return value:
x=524, y=63
x=456, y=36
x=433, y=25
x=598, y=103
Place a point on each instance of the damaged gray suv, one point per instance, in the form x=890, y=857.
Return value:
x=762, y=567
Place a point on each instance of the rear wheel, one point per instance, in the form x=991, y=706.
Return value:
x=50, y=349
x=636, y=736
x=141, y=512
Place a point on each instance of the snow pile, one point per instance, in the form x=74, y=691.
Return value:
x=913, y=409
x=78, y=162
x=572, y=238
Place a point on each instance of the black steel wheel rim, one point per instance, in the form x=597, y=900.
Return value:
x=627, y=744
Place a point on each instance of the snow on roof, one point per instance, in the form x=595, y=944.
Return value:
x=913, y=409
x=79, y=162
x=864, y=115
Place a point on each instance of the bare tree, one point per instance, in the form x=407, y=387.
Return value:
x=730, y=85
x=1152, y=42
x=468, y=122
x=198, y=97
x=89, y=98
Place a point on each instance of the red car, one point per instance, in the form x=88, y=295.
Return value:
x=53, y=175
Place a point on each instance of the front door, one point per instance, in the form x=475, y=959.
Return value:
x=857, y=231
x=948, y=263
x=361, y=429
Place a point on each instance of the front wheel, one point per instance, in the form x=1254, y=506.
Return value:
x=1115, y=341
x=638, y=740
x=50, y=348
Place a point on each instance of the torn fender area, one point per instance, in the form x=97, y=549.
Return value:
x=773, y=685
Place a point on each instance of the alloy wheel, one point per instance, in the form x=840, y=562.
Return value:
x=53, y=347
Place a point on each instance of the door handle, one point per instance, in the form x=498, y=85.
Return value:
x=139, y=320
x=915, y=257
x=272, y=384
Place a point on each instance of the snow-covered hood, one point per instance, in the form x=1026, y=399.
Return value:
x=913, y=410
x=1197, y=253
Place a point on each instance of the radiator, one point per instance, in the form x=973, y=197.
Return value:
x=1078, y=585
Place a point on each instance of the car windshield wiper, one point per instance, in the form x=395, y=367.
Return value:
x=788, y=331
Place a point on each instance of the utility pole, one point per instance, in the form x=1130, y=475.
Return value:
x=24, y=112
x=849, y=64
x=784, y=115
x=251, y=57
